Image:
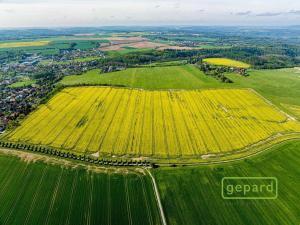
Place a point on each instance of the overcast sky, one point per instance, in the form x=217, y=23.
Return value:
x=54, y=13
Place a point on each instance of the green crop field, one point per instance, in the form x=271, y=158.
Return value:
x=127, y=50
x=172, y=77
x=193, y=195
x=37, y=193
x=186, y=110
x=49, y=46
x=281, y=86
x=189, y=195
x=167, y=63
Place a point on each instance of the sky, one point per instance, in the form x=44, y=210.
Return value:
x=68, y=13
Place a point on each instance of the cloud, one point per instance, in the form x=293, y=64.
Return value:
x=294, y=12
x=177, y=5
x=9, y=10
x=200, y=10
x=16, y=13
x=244, y=13
x=268, y=14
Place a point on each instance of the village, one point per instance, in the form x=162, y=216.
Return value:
x=17, y=102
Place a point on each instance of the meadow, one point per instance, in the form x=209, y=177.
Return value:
x=33, y=192
x=153, y=78
x=158, y=124
x=193, y=195
x=281, y=87
x=226, y=62
x=128, y=50
x=24, y=83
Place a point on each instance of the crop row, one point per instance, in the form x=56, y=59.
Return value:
x=161, y=124
x=38, y=193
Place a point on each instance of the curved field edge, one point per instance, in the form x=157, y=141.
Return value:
x=204, y=203
x=211, y=157
x=250, y=151
x=264, y=82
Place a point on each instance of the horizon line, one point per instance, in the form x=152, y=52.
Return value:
x=148, y=26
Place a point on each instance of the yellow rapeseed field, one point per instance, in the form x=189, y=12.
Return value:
x=133, y=122
x=23, y=44
x=226, y=62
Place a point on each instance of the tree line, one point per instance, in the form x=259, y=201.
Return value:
x=72, y=156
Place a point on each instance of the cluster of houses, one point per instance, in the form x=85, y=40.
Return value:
x=24, y=65
x=18, y=102
x=66, y=55
x=29, y=64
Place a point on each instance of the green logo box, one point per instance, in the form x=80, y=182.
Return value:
x=249, y=188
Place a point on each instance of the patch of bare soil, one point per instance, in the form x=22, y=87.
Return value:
x=140, y=170
x=140, y=158
x=96, y=154
x=138, y=45
x=111, y=48
x=207, y=156
x=147, y=44
x=29, y=158
x=297, y=70
x=121, y=40
x=85, y=35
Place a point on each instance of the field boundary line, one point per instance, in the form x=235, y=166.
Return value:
x=69, y=163
x=162, y=214
x=274, y=106
x=54, y=115
x=239, y=158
